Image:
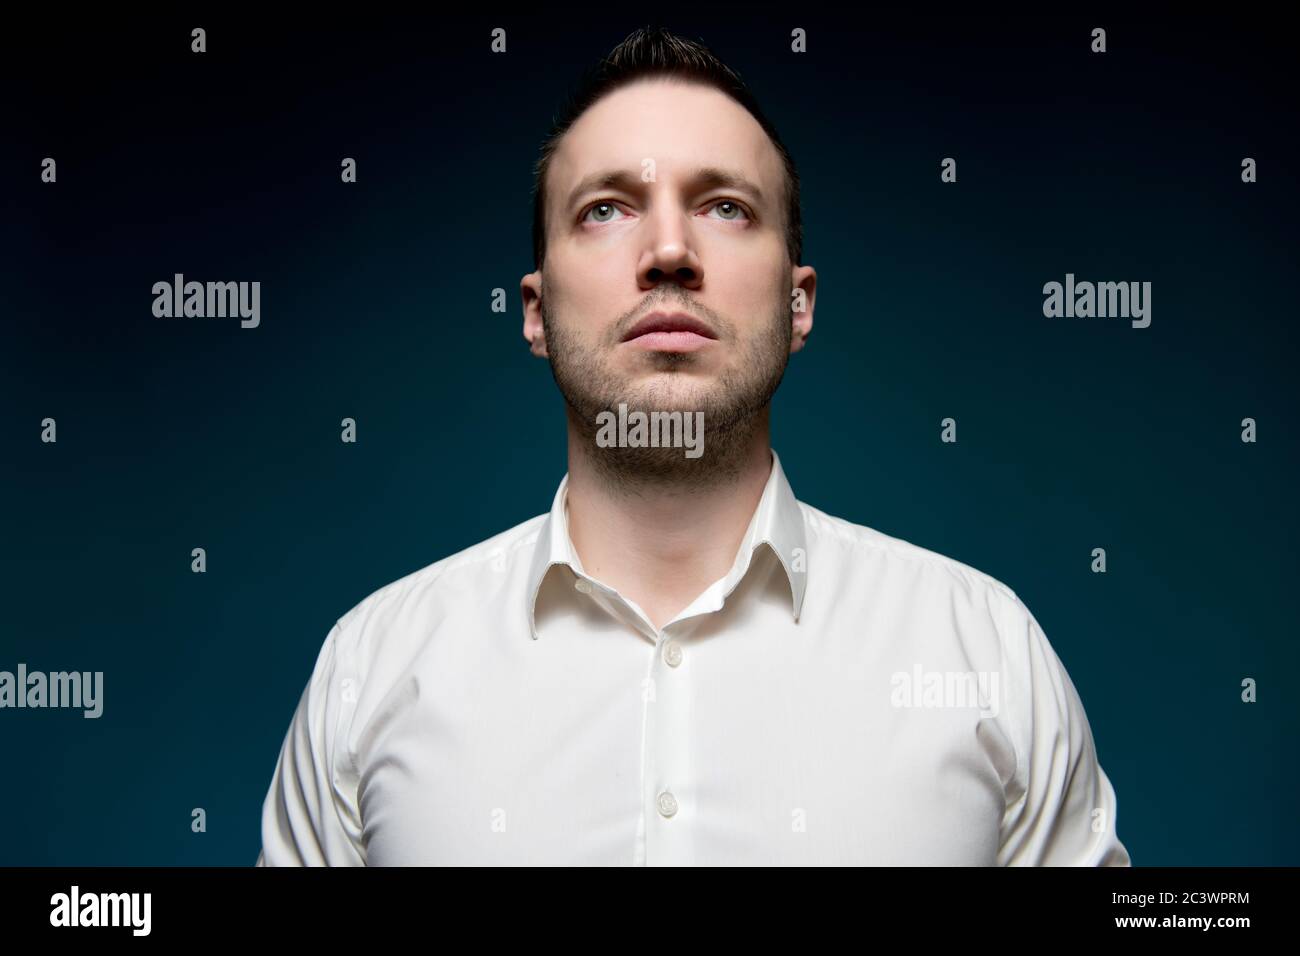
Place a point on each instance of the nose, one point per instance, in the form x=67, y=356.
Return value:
x=670, y=252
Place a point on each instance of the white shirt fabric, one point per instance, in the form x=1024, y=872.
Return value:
x=840, y=697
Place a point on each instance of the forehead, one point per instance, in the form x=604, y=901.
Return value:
x=680, y=125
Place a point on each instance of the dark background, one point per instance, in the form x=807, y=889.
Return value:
x=1073, y=433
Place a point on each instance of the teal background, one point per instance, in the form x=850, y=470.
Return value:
x=1073, y=433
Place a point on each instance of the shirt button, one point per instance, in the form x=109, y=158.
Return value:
x=667, y=804
x=582, y=585
x=673, y=653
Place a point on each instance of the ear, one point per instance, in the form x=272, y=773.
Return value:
x=803, y=279
x=530, y=291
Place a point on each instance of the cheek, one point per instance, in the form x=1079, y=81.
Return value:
x=599, y=291
x=754, y=265
x=590, y=301
x=589, y=276
x=746, y=293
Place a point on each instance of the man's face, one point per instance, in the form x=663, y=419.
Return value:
x=665, y=235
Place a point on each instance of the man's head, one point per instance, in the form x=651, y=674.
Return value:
x=664, y=190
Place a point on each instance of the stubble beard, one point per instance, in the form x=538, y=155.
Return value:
x=735, y=406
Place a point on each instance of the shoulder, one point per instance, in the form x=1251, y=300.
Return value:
x=406, y=607
x=864, y=572
x=850, y=540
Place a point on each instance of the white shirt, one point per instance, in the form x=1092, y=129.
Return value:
x=839, y=697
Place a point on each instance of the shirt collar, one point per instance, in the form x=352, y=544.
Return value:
x=777, y=522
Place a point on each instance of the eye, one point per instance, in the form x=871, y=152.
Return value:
x=603, y=206
x=604, y=211
x=734, y=208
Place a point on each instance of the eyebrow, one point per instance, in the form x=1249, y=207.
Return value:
x=705, y=177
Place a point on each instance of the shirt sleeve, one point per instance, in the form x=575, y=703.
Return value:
x=1061, y=806
x=309, y=816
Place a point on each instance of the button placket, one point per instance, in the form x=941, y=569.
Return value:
x=668, y=781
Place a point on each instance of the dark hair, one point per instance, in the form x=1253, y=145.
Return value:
x=649, y=52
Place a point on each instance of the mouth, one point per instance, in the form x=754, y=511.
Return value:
x=670, y=332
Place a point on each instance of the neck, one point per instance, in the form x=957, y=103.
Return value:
x=662, y=538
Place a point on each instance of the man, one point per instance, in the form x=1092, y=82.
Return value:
x=681, y=663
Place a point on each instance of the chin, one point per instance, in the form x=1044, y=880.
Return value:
x=670, y=392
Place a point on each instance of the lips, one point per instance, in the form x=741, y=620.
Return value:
x=667, y=323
